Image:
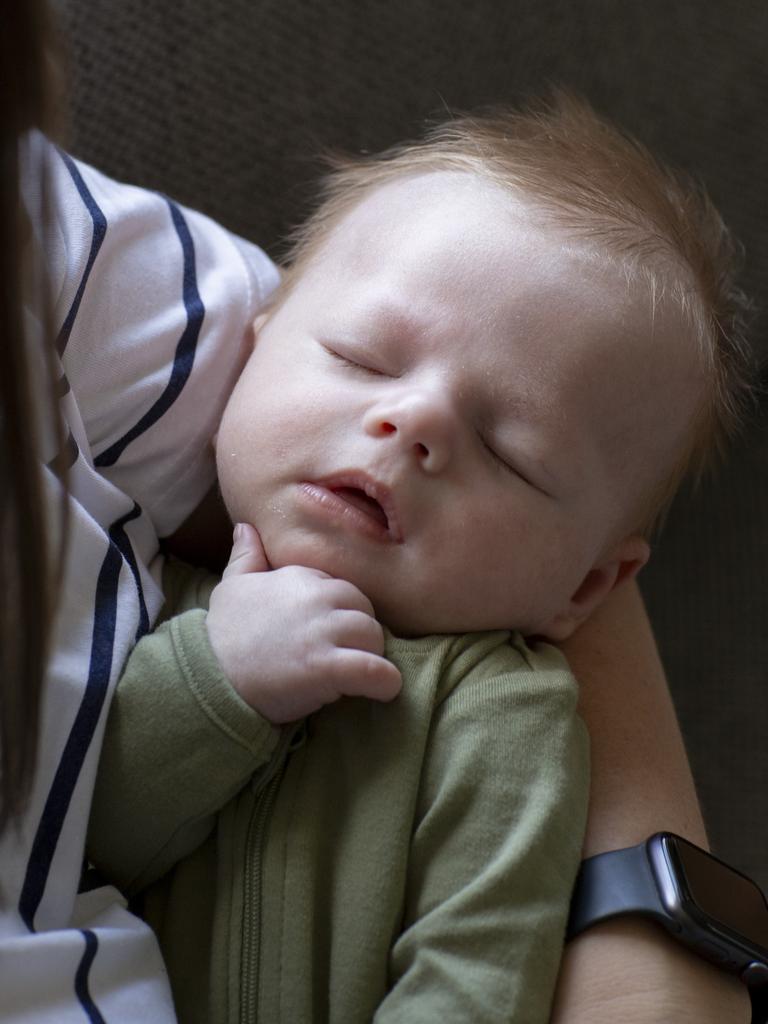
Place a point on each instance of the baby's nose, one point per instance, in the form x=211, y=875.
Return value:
x=422, y=422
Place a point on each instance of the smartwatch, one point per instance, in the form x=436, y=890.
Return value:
x=716, y=911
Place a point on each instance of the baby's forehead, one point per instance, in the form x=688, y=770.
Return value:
x=429, y=193
x=383, y=227
x=604, y=283
x=387, y=209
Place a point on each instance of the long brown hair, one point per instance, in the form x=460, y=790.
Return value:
x=28, y=562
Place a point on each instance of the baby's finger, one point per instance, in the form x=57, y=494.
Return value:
x=355, y=629
x=342, y=594
x=361, y=674
x=247, y=552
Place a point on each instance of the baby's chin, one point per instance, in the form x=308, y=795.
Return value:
x=313, y=554
x=404, y=612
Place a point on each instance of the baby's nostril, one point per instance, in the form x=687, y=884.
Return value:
x=421, y=448
x=388, y=428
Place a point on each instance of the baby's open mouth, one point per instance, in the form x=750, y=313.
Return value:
x=357, y=499
x=367, y=504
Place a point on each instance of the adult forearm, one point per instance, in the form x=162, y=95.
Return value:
x=630, y=971
x=641, y=779
x=641, y=782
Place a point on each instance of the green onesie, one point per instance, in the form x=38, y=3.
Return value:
x=399, y=862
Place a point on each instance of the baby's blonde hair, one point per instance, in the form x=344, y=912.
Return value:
x=605, y=188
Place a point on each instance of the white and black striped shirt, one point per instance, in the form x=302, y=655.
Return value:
x=152, y=303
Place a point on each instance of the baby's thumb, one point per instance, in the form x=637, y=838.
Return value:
x=247, y=552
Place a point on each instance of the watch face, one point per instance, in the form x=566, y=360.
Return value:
x=725, y=896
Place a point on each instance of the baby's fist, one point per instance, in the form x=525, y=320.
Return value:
x=294, y=639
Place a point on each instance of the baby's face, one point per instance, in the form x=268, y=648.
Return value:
x=445, y=411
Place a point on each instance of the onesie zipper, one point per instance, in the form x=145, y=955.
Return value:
x=266, y=784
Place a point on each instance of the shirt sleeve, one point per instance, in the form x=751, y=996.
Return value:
x=153, y=308
x=495, y=848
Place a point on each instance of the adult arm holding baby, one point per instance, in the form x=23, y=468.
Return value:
x=630, y=970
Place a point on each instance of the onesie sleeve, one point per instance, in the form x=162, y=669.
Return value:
x=179, y=744
x=496, y=844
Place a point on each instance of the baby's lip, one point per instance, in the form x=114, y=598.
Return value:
x=365, y=492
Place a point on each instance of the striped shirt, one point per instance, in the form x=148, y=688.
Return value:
x=151, y=304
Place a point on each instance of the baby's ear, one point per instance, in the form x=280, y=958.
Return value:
x=623, y=562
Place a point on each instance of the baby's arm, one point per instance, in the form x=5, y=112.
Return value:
x=641, y=783
x=198, y=707
x=179, y=743
x=495, y=847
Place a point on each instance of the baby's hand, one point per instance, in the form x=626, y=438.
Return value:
x=293, y=639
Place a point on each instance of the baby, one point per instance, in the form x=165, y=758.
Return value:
x=493, y=356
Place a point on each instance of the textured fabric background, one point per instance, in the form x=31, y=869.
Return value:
x=224, y=104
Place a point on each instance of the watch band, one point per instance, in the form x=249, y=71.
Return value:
x=612, y=884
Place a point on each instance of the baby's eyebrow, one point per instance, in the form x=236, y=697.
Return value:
x=394, y=317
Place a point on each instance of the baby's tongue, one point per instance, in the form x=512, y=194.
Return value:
x=361, y=500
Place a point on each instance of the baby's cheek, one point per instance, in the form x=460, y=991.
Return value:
x=232, y=486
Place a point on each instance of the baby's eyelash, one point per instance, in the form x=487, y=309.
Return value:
x=500, y=459
x=514, y=470
x=352, y=363
x=510, y=468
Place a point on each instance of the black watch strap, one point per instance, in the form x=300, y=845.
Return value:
x=612, y=884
